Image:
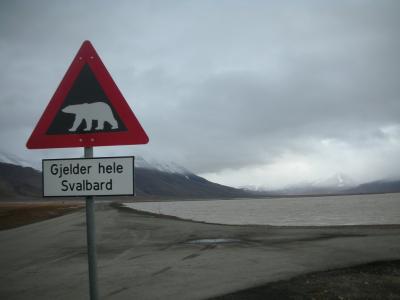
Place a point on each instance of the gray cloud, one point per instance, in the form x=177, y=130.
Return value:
x=223, y=85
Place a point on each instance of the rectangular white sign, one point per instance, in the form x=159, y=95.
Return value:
x=100, y=176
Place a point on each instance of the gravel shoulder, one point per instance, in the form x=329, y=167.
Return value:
x=377, y=280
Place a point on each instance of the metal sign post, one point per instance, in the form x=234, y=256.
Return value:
x=91, y=239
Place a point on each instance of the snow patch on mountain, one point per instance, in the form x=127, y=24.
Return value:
x=168, y=167
x=336, y=183
x=140, y=162
x=13, y=159
x=339, y=181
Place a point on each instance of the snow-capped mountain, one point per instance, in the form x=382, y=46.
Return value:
x=335, y=184
x=160, y=180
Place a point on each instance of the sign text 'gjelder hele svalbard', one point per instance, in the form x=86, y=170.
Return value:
x=103, y=176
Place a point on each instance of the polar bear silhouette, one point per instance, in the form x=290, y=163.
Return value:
x=88, y=112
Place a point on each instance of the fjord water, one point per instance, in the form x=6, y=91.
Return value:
x=379, y=209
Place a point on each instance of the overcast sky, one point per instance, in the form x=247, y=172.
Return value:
x=260, y=93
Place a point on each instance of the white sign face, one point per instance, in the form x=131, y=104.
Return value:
x=101, y=176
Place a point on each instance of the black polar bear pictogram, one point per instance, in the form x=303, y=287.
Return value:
x=88, y=112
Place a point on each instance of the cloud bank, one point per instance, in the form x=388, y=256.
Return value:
x=256, y=93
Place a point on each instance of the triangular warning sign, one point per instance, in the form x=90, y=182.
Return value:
x=87, y=109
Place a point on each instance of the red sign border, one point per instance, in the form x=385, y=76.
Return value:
x=134, y=134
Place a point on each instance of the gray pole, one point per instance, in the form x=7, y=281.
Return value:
x=91, y=239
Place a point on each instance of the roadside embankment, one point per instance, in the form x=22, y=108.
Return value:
x=15, y=214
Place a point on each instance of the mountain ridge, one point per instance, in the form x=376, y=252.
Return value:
x=376, y=187
x=173, y=181
x=24, y=183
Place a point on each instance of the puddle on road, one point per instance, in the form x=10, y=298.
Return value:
x=213, y=241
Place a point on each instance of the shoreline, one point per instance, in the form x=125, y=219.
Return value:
x=122, y=206
x=53, y=209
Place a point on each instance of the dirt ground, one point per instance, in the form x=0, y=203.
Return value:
x=22, y=213
x=378, y=280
